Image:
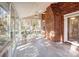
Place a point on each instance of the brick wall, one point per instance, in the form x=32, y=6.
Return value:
x=54, y=18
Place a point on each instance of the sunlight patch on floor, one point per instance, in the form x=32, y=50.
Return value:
x=73, y=50
x=47, y=44
x=27, y=50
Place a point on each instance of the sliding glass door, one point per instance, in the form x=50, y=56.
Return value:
x=73, y=28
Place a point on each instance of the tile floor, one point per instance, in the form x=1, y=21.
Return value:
x=41, y=47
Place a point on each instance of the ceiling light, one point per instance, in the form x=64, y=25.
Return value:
x=72, y=18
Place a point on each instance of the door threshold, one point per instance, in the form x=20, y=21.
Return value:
x=74, y=43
